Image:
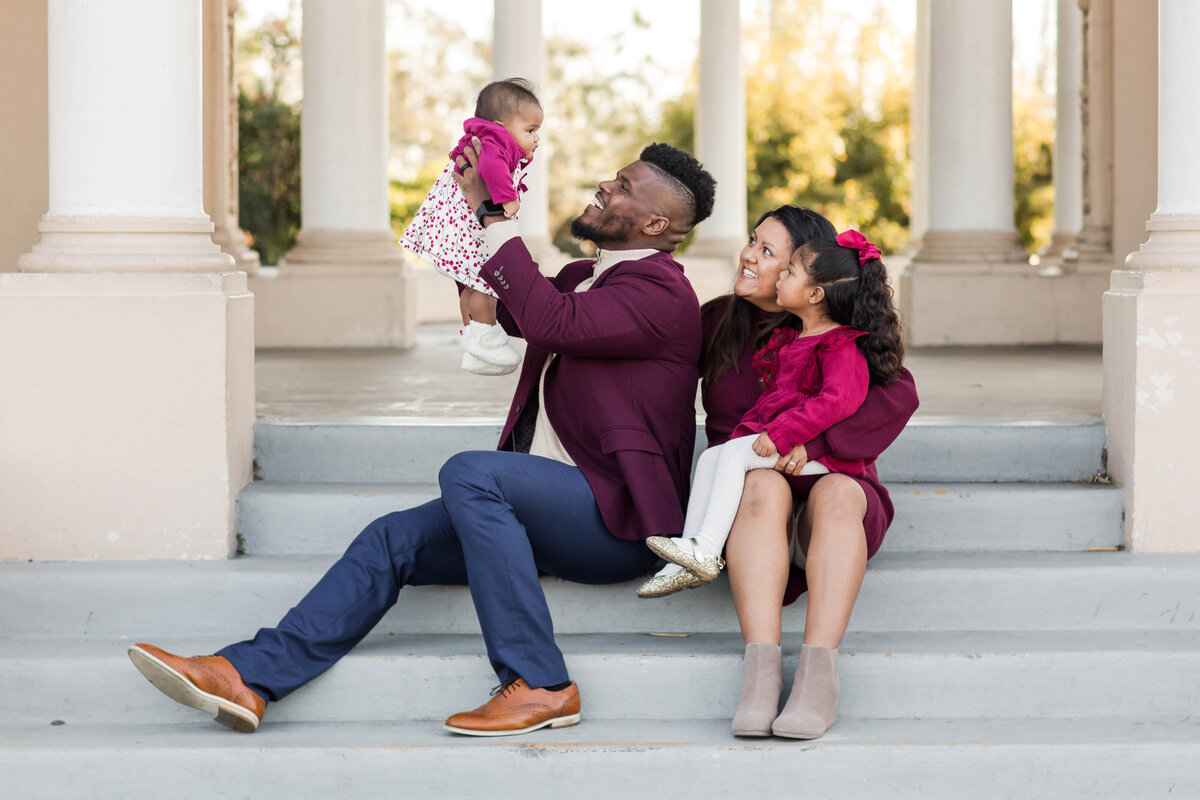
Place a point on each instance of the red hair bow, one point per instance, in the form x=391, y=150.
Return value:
x=855, y=240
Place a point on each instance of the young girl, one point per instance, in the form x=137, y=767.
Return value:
x=446, y=233
x=811, y=380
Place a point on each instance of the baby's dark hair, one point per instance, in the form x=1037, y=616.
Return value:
x=501, y=99
x=694, y=186
x=859, y=296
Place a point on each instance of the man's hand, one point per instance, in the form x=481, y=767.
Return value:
x=763, y=445
x=793, y=462
x=473, y=188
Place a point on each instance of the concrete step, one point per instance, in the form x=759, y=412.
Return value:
x=960, y=675
x=902, y=592
x=859, y=759
x=1046, y=447
x=312, y=518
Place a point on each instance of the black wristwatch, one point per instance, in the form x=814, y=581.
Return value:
x=488, y=209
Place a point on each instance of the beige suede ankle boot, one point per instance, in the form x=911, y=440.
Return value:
x=762, y=681
x=812, y=706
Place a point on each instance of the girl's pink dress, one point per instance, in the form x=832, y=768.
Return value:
x=444, y=231
x=809, y=384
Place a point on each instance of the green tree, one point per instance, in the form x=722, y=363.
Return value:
x=268, y=138
x=1033, y=172
x=268, y=174
x=823, y=130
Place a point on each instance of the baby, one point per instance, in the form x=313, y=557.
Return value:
x=446, y=233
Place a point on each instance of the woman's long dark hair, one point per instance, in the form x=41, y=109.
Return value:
x=740, y=319
x=861, y=297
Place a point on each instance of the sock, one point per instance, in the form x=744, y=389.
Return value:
x=558, y=687
x=670, y=569
x=706, y=544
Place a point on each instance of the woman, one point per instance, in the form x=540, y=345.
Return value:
x=841, y=521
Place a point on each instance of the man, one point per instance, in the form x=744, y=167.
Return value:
x=595, y=456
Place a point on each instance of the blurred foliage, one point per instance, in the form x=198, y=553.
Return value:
x=827, y=118
x=406, y=196
x=827, y=109
x=269, y=139
x=269, y=175
x=1033, y=172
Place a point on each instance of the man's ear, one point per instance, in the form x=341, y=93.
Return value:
x=656, y=226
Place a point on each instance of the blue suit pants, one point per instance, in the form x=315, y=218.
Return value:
x=503, y=518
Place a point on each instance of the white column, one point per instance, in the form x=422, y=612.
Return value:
x=220, y=133
x=125, y=141
x=1151, y=325
x=519, y=51
x=133, y=385
x=344, y=136
x=964, y=283
x=721, y=127
x=345, y=284
x=919, y=129
x=1068, y=129
x=1093, y=250
x=971, y=178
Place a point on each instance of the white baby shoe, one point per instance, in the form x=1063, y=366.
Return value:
x=488, y=351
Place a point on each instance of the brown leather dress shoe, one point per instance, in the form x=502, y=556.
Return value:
x=515, y=708
x=209, y=683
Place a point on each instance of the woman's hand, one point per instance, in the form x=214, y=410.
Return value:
x=793, y=462
x=473, y=188
x=763, y=445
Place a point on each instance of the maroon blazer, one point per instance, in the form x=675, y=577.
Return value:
x=621, y=394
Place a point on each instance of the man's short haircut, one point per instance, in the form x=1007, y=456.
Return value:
x=689, y=181
x=501, y=99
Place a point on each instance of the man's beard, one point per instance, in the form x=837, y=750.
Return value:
x=613, y=229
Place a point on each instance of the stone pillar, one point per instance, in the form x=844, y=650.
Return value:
x=127, y=415
x=1151, y=328
x=721, y=129
x=919, y=130
x=968, y=282
x=1093, y=250
x=345, y=284
x=220, y=133
x=1068, y=132
x=519, y=51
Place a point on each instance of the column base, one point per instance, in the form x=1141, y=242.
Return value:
x=726, y=249
x=1052, y=257
x=127, y=415
x=337, y=289
x=983, y=299
x=1174, y=243
x=1151, y=393
x=1091, y=252
x=231, y=241
x=125, y=244
x=975, y=288
x=710, y=276
x=979, y=251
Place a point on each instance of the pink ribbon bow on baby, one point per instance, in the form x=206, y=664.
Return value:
x=854, y=239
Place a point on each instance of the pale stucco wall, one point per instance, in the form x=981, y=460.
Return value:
x=23, y=128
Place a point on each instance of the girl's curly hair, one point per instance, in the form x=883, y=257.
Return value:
x=861, y=297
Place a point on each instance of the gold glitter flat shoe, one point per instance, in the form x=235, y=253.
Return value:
x=663, y=585
x=706, y=567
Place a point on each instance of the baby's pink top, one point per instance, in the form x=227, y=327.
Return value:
x=810, y=384
x=498, y=159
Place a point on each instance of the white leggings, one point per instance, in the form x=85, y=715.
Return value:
x=717, y=490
